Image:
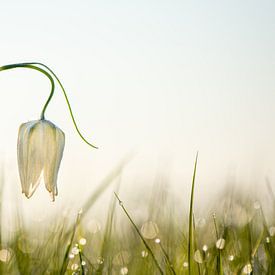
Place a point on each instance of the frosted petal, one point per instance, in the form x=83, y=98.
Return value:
x=29, y=162
x=20, y=155
x=53, y=146
x=34, y=160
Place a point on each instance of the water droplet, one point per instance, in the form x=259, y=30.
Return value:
x=230, y=258
x=149, y=230
x=71, y=256
x=82, y=241
x=257, y=205
x=205, y=248
x=74, y=266
x=267, y=240
x=100, y=260
x=220, y=243
x=144, y=254
x=5, y=255
x=247, y=269
x=120, y=203
x=157, y=241
x=185, y=264
x=122, y=258
x=201, y=222
x=75, y=250
x=198, y=257
x=124, y=270
x=83, y=263
x=272, y=231
x=80, y=211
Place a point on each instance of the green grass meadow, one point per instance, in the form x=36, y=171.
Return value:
x=236, y=237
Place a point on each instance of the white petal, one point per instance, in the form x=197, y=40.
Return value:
x=39, y=151
x=20, y=155
x=53, y=145
x=29, y=161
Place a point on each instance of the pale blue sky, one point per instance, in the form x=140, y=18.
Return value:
x=164, y=78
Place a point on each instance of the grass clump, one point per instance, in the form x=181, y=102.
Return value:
x=236, y=236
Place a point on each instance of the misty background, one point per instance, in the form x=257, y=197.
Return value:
x=162, y=79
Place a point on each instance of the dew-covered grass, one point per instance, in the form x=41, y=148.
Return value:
x=237, y=236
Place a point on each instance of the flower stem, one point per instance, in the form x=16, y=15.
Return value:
x=33, y=65
x=67, y=101
x=30, y=66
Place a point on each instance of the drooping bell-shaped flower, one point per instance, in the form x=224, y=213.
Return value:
x=39, y=153
x=40, y=143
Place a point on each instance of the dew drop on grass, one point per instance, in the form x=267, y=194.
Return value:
x=83, y=263
x=185, y=264
x=144, y=253
x=80, y=211
x=74, y=266
x=157, y=241
x=201, y=223
x=267, y=240
x=82, y=241
x=124, y=270
x=205, y=248
x=75, y=250
x=100, y=260
x=122, y=258
x=198, y=257
x=247, y=269
x=220, y=243
x=257, y=205
x=230, y=258
x=5, y=255
x=149, y=230
x=71, y=256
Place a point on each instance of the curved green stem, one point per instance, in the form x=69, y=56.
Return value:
x=30, y=66
x=67, y=101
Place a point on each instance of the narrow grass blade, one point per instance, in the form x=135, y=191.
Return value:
x=66, y=258
x=219, y=260
x=104, y=185
x=170, y=265
x=140, y=235
x=105, y=249
x=191, y=233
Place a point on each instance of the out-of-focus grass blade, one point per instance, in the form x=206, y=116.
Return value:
x=191, y=233
x=270, y=192
x=104, y=185
x=89, y=203
x=140, y=235
x=219, y=260
x=108, y=229
x=66, y=256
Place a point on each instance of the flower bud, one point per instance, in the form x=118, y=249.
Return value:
x=39, y=152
